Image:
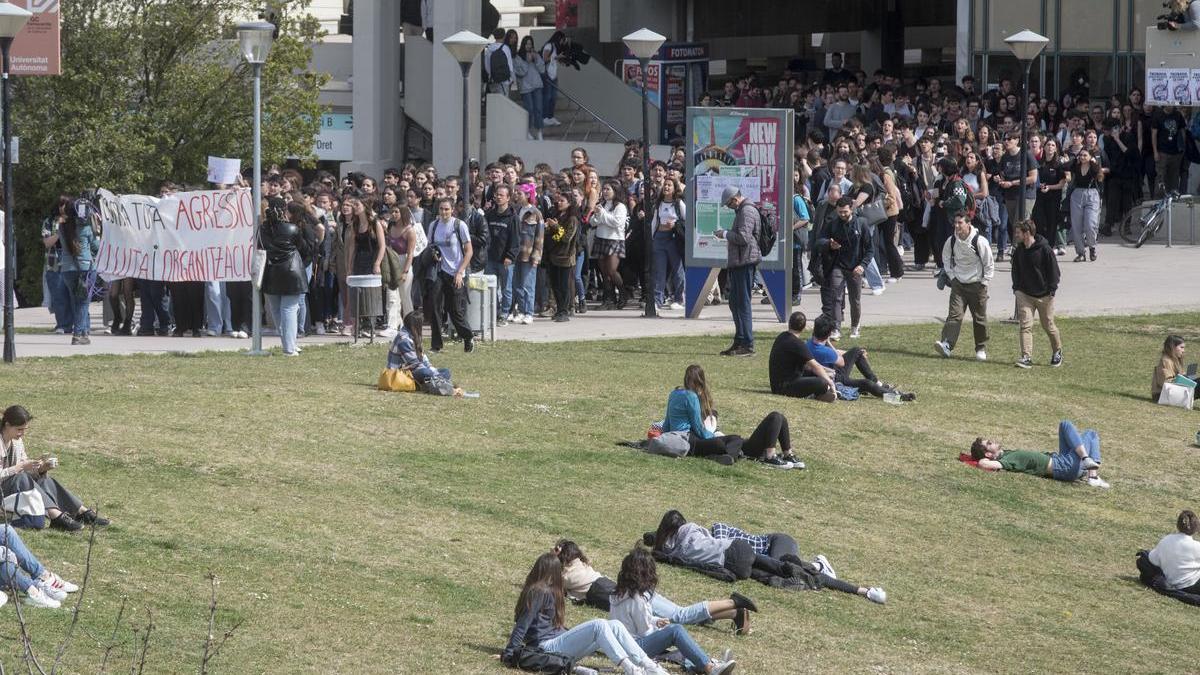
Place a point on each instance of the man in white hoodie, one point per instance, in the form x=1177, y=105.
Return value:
x=969, y=268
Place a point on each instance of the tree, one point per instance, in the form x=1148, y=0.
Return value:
x=150, y=89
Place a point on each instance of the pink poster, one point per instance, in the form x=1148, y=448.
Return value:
x=35, y=51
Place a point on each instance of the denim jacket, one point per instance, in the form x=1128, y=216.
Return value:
x=89, y=245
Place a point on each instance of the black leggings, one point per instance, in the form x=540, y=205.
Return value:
x=741, y=559
x=895, y=262
x=773, y=429
x=716, y=446
x=802, y=387
x=845, y=374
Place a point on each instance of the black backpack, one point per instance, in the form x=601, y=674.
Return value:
x=765, y=234
x=498, y=69
x=533, y=659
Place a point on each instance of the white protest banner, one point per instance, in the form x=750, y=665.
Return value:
x=223, y=170
x=1158, y=86
x=188, y=236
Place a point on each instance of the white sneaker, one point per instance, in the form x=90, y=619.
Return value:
x=55, y=594
x=628, y=668
x=723, y=667
x=320, y=329
x=877, y=595
x=652, y=668
x=943, y=348
x=529, y=136
x=3, y=598
x=584, y=670
x=981, y=355
x=854, y=332
x=57, y=581
x=835, y=335
x=34, y=597
x=1098, y=482
x=878, y=291
x=892, y=280
x=1089, y=463
x=824, y=566
x=211, y=333
x=551, y=122
x=388, y=333
x=674, y=305
x=527, y=319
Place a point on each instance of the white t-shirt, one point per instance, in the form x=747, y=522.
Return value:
x=549, y=52
x=1178, y=555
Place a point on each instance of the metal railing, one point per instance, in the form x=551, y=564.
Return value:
x=571, y=124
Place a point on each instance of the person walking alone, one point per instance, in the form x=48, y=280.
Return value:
x=742, y=257
x=969, y=269
x=1035, y=281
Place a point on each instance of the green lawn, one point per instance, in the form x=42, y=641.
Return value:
x=355, y=531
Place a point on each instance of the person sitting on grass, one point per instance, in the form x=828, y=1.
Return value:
x=1169, y=365
x=633, y=606
x=1173, y=566
x=1077, y=454
x=540, y=622
x=407, y=353
x=793, y=370
x=29, y=490
x=690, y=405
x=20, y=570
x=843, y=363
x=584, y=584
x=745, y=554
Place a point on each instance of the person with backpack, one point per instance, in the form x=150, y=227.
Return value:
x=969, y=270
x=845, y=248
x=445, y=268
x=498, y=64
x=956, y=197
x=1035, y=281
x=80, y=245
x=540, y=630
x=742, y=257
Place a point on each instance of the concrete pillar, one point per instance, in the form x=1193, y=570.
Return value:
x=449, y=17
x=376, y=98
x=962, y=43
x=870, y=51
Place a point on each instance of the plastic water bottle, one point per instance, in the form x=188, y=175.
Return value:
x=892, y=397
x=470, y=394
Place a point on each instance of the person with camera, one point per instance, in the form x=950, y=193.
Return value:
x=446, y=269
x=969, y=269
x=1181, y=15
x=30, y=493
x=80, y=241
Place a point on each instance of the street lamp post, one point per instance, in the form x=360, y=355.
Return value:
x=1026, y=46
x=465, y=47
x=12, y=19
x=644, y=44
x=255, y=39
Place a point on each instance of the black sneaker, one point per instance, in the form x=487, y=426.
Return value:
x=90, y=516
x=723, y=460
x=728, y=352
x=776, y=463
x=792, y=459
x=765, y=301
x=742, y=351
x=66, y=523
x=908, y=397
x=742, y=602
x=468, y=346
x=1025, y=362
x=1056, y=360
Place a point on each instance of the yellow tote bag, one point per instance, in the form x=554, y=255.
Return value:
x=396, y=379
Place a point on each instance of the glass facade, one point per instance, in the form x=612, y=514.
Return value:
x=1103, y=40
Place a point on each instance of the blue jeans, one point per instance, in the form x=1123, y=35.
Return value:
x=675, y=635
x=216, y=307
x=153, y=296
x=692, y=614
x=580, y=289
x=524, y=289
x=874, y=278
x=60, y=301
x=285, y=310
x=20, y=568
x=533, y=104
x=740, y=281
x=549, y=96
x=667, y=264
x=504, y=282
x=610, y=637
x=1065, y=462
x=77, y=306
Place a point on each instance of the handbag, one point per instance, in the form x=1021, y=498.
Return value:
x=873, y=212
x=258, y=267
x=1177, y=395
x=396, y=379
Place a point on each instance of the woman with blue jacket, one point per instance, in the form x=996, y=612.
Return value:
x=80, y=244
x=691, y=406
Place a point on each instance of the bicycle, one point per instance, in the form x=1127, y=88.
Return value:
x=1144, y=221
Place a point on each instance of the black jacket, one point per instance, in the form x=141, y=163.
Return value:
x=285, y=246
x=1035, y=269
x=855, y=243
x=480, y=239
x=503, y=234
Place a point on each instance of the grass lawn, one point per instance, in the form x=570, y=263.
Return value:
x=355, y=531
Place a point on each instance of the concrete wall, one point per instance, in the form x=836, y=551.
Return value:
x=606, y=95
x=619, y=18
x=418, y=80
x=506, y=124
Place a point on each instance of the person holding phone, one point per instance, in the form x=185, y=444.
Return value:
x=844, y=245
x=742, y=258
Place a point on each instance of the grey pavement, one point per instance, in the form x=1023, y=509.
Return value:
x=1123, y=281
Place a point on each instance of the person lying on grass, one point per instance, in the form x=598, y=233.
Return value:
x=690, y=405
x=30, y=493
x=540, y=621
x=792, y=369
x=746, y=554
x=633, y=606
x=843, y=363
x=408, y=353
x=1077, y=454
x=584, y=584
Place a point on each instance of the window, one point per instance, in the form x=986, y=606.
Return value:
x=1096, y=68
x=1008, y=17
x=1087, y=26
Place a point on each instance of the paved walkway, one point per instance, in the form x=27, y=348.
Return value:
x=1123, y=281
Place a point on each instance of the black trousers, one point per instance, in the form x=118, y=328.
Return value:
x=56, y=496
x=920, y=237
x=868, y=382
x=560, y=283
x=715, y=447
x=187, y=304
x=887, y=232
x=1118, y=200
x=741, y=559
x=1047, y=214
x=833, y=293
x=802, y=386
x=445, y=296
x=241, y=305
x=771, y=430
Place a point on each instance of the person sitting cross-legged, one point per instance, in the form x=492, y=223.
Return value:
x=843, y=363
x=792, y=368
x=1077, y=454
x=21, y=572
